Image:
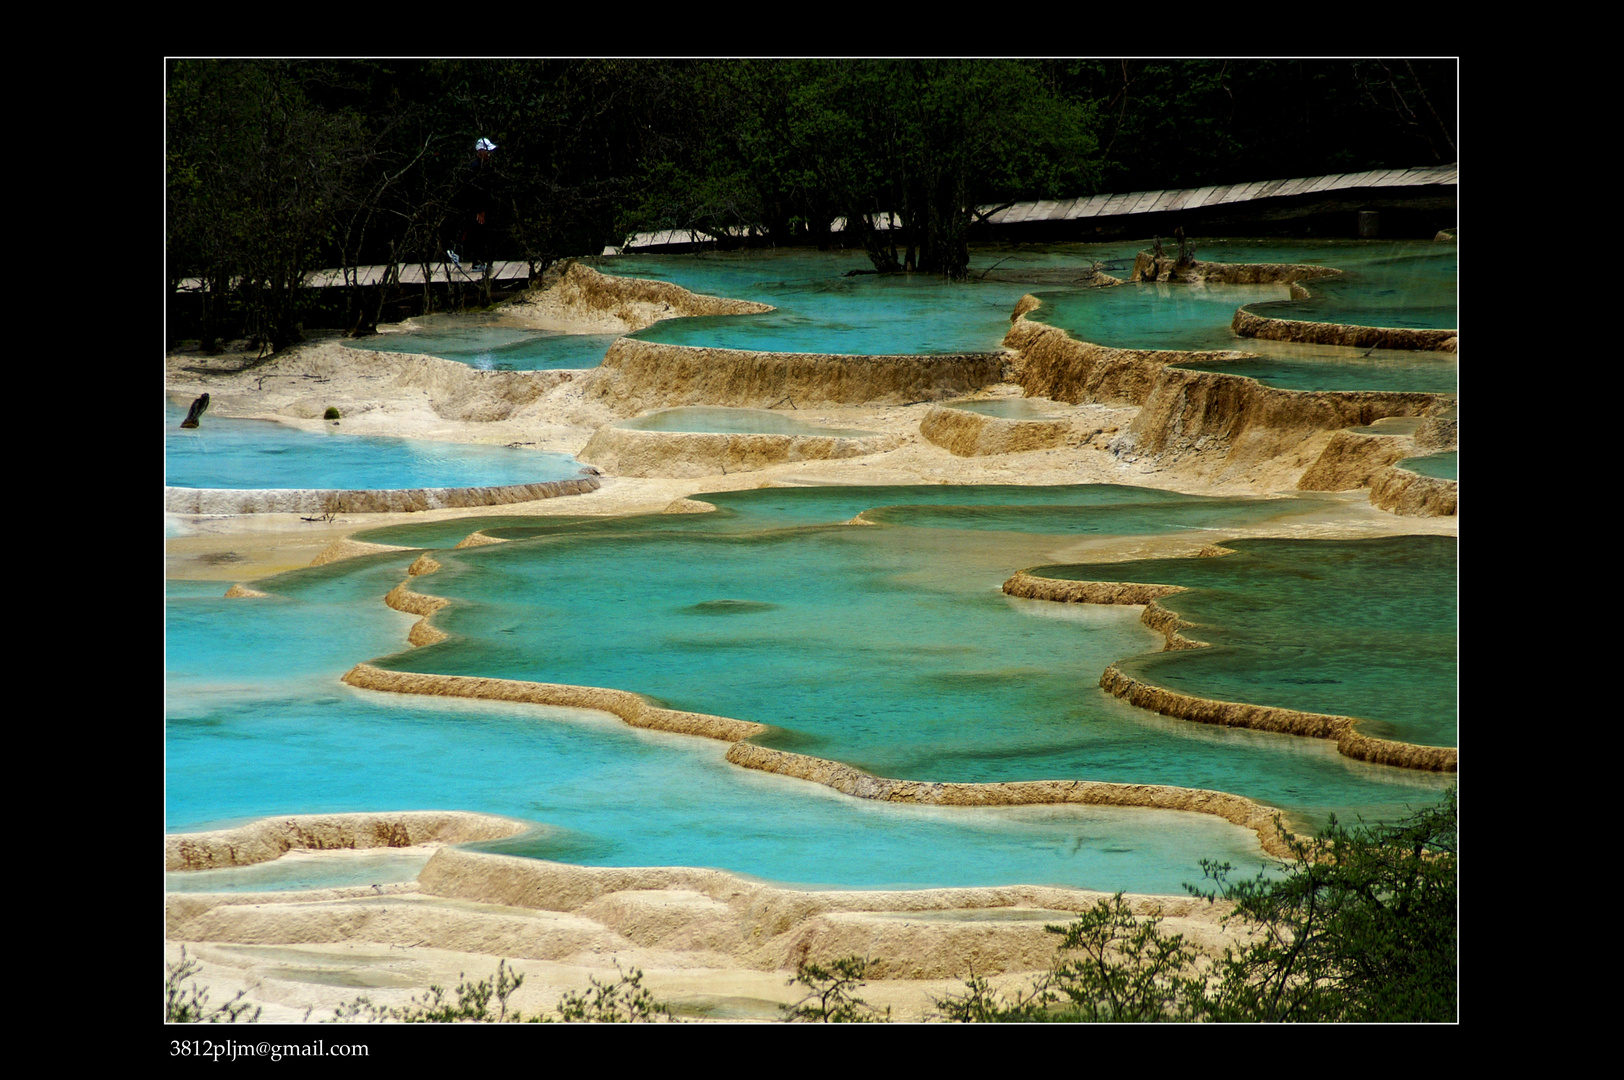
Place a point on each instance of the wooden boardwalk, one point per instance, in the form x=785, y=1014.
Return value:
x=1160, y=202
x=1134, y=203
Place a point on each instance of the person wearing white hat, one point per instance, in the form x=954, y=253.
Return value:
x=474, y=208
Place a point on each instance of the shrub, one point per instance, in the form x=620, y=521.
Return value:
x=190, y=1005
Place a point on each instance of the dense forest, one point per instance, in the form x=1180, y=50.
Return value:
x=275, y=168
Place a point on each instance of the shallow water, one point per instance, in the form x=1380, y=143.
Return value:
x=1445, y=466
x=1012, y=408
x=490, y=343
x=1334, y=368
x=258, y=724
x=888, y=646
x=223, y=452
x=820, y=310
x=1384, y=283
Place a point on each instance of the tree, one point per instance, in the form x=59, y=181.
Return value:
x=256, y=175
x=1363, y=927
x=779, y=148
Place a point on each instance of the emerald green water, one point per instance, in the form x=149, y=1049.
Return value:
x=1384, y=283
x=820, y=309
x=491, y=344
x=1444, y=466
x=1011, y=408
x=889, y=646
x=1311, y=367
x=1360, y=628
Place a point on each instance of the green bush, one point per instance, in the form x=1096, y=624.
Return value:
x=331, y=414
x=190, y=1005
x=1361, y=927
x=829, y=998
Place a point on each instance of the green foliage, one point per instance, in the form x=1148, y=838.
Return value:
x=1113, y=968
x=332, y=413
x=1125, y=970
x=1362, y=928
x=472, y=1003
x=190, y=1004
x=623, y=1001
x=830, y=998
x=1190, y=123
x=981, y=1004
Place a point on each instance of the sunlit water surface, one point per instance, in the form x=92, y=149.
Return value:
x=224, y=452
x=890, y=647
x=491, y=343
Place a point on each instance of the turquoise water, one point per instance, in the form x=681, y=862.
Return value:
x=1153, y=316
x=258, y=723
x=223, y=452
x=1384, y=283
x=491, y=344
x=1403, y=285
x=820, y=310
x=1309, y=367
x=1444, y=466
x=715, y=419
x=889, y=646
x=1360, y=628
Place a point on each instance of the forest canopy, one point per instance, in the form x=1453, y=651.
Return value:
x=279, y=167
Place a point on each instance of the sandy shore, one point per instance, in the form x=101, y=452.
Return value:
x=299, y=952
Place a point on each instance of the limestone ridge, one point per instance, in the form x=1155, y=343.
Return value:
x=271, y=838
x=637, y=376
x=1148, y=266
x=970, y=434
x=1351, y=458
x=1223, y=424
x=1050, y=363
x=352, y=501
x=627, y=452
x=1400, y=491
x=503, y=905
x=1356, y=460
x=852, y=781
x=634, y=302
x=1343, y=729
x=1246, y=324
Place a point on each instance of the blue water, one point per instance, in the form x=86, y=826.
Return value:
x=1384, y=283
x=1445, y=466
x=258, y=724
x=490, y=343
x=887, y=646
x=1360, y=628
x=223, y=452
x=820, y=310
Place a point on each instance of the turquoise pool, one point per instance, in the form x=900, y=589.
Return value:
x=888, y=646
x=224, y=452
